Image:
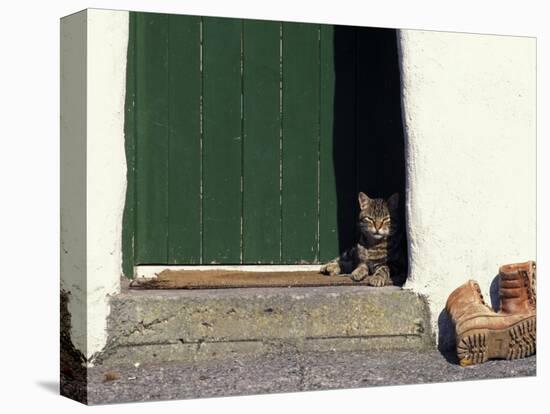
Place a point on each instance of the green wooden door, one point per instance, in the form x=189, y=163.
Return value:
x=230, y=136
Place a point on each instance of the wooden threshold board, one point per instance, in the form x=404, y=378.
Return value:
x=220, y=279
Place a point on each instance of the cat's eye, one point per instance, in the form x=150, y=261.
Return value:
x=385, y=219
x=367, y=220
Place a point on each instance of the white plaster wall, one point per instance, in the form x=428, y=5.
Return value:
x=469, y=113
x=93, y=168
x=73, y=172
x=106, y=164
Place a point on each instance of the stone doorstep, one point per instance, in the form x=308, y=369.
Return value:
x=199, y=325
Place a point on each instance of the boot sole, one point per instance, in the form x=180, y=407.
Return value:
x=516, y=341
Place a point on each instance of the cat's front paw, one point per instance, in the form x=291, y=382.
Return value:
x=359, y=274
x=380, y=278
x=376, y=281
x=331, y=269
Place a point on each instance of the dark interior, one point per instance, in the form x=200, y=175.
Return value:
x=368, y=128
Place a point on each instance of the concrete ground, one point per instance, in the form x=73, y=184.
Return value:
x=287, y=372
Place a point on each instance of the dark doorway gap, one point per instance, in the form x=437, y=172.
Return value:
x=368, y=127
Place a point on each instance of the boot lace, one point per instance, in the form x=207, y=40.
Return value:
x=478, y=289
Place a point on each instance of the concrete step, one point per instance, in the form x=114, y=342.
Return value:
x=199, y=325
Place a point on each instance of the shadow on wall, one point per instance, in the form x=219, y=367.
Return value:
x=368, y=134
x=73, y=379
x=446, y=341
x=493, y=293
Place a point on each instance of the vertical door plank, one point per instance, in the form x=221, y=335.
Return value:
x=152, y=137
x=222, y=141
x=338, y=198
x=328, y=223
x=300, y=143
x=184, y=155
x=261, y=146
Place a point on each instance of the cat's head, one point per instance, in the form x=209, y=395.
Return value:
x=378, y=217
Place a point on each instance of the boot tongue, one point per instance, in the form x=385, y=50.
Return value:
x=480, y=295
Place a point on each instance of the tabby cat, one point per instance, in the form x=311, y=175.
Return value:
x=379, y=256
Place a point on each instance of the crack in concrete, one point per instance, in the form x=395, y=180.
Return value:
x=366, y=336
x=277, y=343
x=142, y=326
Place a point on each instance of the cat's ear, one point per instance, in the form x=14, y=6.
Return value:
x=393, y=201
x=363, y=200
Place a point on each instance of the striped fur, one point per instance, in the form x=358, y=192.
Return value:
x=379, y=255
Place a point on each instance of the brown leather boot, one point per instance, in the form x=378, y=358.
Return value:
x=483, y=334
x=517, y=290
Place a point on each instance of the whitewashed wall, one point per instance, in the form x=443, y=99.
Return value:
x=93, y=168
x=73, y=172
x=469, y=113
